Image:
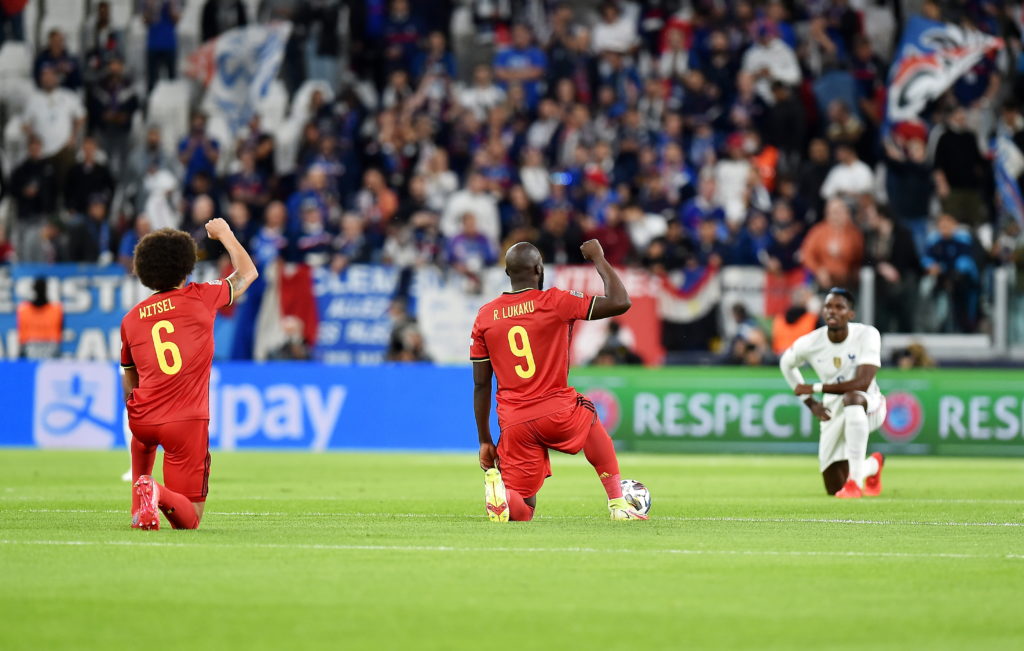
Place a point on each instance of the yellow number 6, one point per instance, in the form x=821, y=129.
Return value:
x=164, y=347
x=522, y=350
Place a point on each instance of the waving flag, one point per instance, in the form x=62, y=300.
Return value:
x=1009, y=164
x=931, y=57
x=238, y=67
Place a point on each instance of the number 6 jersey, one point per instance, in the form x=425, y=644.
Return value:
x=526, y=337
x=168, y=339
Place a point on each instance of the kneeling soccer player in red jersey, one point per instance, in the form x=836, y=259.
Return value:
x=167, y=353
x=523, y=337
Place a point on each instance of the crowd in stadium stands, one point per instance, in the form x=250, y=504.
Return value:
x=682, y=134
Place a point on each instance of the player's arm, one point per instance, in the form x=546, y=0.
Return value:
x=789, y=364
x=615, y=300
x=482, y=374
x=245, y=270
x=862, y=379
x=129, y=381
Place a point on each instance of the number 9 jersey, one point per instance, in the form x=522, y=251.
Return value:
x=526, y=336
x=168, y=339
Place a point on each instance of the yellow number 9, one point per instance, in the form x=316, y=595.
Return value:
x=522, y=349
x=163, y=347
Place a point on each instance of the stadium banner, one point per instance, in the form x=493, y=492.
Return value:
x=355, y=325
x=930, y=58
x=317, y=407
x=277, y=405
x=94, y=298
x=730, y=409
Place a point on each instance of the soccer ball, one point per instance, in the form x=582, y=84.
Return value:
x=636, y=495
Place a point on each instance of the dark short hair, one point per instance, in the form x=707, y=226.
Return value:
x=845, y=293
x=164, y=258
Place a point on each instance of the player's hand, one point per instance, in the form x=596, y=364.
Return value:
x=820, y=411
x=488, y=456
x=803, y=390
x=217, y=228
x=591, y=250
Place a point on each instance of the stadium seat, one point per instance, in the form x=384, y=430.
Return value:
x=121, y=12
x=15, y=60
x=169, y=109
x=274, y=108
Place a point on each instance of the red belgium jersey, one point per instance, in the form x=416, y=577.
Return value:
x=526, y=336
x=168, y=338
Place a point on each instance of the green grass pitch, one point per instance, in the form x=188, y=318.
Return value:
x=388, y=551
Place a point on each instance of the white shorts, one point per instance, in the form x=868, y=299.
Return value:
x=832, y=445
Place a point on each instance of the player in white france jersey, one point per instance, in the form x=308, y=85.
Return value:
x=845, y=356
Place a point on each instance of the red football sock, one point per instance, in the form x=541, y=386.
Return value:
x=143, y=458
x=178, y=509
x=518, y=509
x=600, y=452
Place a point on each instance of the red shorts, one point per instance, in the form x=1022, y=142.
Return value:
x=186, y=447
x=523, y=447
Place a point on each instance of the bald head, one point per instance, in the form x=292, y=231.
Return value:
x=524, y=266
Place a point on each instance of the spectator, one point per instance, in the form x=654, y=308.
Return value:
x=295, y=347
x=57, y=57
x=34, y=186
x=849, y=178
x=40, y=324
x=469, y=252
x=313, y=241
x=749, y=345
x=599, y=193
x=248, y=185
x=782, y=254
x=270, y=243
x=198, y=152
x=613, y=236
x=89, y=234
x=161, y=18
x=675, y=58
x=351, y=246
x=560, y=238
x=960, y=171
x=131, y=237
x=908, y=184
x=617, y=349
x=889, y=249
x=101, y=43
x=813, y=171
x=219, y=16
x=796, y=322
x=844, y=127
x=161, y=200
x=55, y=115
x=202, y=210
x=377, y=203
x=88, y=179
x=769, y=59
x=719, y=64
x=949, y=260
x=401, y=32
x=112, y=104
x=12, y=24
x=147, y=157
x=784, y=127
x=703, y=206
x=710, y=250
x=474, y=199
x=614, y=32
x=522, y=64
x=734, y=179
x=834, y=248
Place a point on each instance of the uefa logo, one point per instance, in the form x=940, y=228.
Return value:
x=76, y=405
x=904, y=419
x=607, y=406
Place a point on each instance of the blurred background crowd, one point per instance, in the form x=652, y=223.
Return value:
x=686, y=135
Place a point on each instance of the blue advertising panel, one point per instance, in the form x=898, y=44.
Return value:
x=295, y=405
x=94, y=299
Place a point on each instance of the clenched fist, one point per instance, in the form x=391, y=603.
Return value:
x=592, y=250
x=217, y=228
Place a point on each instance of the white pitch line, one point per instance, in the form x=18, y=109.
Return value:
x=526, y=550
x=672, y=518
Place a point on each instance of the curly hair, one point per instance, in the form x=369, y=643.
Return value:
x=164, y=258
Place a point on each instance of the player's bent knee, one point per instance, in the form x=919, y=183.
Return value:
x=854, y=398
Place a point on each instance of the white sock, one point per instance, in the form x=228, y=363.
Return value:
x=856, y=434
x=870, y=467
